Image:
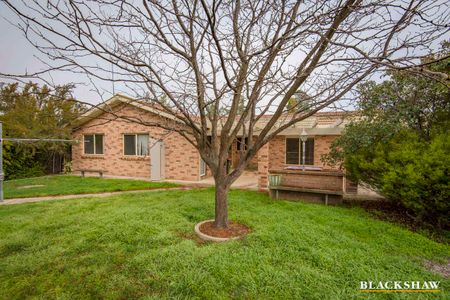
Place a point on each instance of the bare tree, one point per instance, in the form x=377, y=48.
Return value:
x=222, y=65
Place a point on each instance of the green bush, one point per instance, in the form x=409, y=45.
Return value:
x=68, y=167
x=35, y=170
x=32, y=112
x=398, y=142
x=409, y=171
x=20, y=162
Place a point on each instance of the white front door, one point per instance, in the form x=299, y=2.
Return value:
x=156, y=160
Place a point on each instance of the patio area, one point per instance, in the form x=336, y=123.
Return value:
x=248, y=181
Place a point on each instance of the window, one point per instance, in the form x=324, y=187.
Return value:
x=242, y=144
x=202, y=167
x=93, y=144
x=309, y=152
x=294, y=151
x=130, y=144
x=135, y=144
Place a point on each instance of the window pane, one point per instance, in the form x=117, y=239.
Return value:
x=292, y=151
x=142, y=144
x=98, y=144
x=129, y=144
x=309, y=154
x=89, y=144
x=239, y=143
x=202, y=167
x=242, y=143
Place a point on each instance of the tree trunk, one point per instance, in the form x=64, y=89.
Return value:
x=221, y=218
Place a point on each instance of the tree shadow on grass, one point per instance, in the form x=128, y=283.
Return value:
x=397, y=214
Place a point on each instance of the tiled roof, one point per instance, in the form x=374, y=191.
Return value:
x=321, y=123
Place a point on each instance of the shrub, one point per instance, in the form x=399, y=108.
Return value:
x=20, y=162
x=35, y=170
x=399, y=142
x=68, y=167
x=31, y=111
x=409, y=171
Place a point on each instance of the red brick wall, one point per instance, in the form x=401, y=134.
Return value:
x=277, y=151
x=263, y=166
x=276, y=156
x=181, y=158
x=322, y=144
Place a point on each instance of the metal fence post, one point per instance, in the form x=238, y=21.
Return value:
x=1, y=162
x=19, y=140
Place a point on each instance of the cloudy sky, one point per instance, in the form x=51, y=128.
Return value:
x=18, y=56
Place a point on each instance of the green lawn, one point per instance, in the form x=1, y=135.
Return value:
x=142, y=246
x=66, y=185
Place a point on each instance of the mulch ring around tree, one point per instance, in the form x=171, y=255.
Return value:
x=234, y=230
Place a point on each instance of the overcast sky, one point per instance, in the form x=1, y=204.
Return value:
x=17, y=55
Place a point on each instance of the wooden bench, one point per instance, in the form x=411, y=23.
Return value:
x=326, y=193
x=83, y=171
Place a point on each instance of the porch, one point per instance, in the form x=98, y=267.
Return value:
x=296, y=162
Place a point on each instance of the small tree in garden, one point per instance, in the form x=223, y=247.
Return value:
x=401, y=144
x=35, y=112
x=222, y=65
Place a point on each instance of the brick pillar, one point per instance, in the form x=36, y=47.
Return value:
x=263, y=167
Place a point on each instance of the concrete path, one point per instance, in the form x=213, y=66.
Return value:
x=76, y=196
x=247, y=181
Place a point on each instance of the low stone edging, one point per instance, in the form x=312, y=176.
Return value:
x=206, y=237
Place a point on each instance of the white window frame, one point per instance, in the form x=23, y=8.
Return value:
x=136, y=144
x=300, y=149
x=202, y=167
x=95, y=148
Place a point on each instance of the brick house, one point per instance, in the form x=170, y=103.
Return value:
x=111, y=143
x=123, y=148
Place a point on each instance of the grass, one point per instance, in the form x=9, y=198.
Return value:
x=66, y=185
x=142, y=246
